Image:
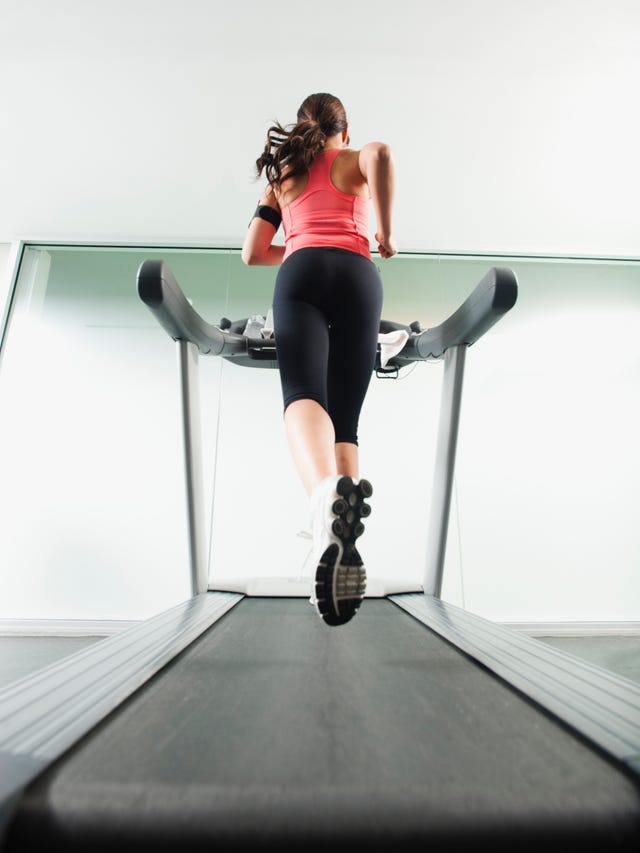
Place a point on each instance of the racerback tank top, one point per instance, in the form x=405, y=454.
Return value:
x=323, y=215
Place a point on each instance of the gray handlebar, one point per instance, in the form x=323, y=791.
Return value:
x=161, y=293
x=494, y=296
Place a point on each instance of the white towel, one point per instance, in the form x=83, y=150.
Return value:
x=267, y=331
x=254, y=326
x=391, y=344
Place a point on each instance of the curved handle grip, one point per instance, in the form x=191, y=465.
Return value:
x=494, y=296
x=161, y=293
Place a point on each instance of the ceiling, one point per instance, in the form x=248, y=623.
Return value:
x=513, y=122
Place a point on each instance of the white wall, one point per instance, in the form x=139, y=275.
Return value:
x=92, y=511
x=513, y=121
x=5, y=249
x=5, y=273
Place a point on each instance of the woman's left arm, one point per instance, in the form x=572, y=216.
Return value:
x=257, y=248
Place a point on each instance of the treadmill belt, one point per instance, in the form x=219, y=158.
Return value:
x=272, y=731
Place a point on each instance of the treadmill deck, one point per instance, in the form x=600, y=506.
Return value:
x=273, y=729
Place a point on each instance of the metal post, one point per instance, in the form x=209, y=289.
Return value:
x=190, y=408
x=443, y=472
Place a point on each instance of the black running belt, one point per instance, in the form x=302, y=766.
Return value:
x=272, y=731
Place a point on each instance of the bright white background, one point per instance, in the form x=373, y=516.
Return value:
x=92, y=490
x=513, y=122
x=514, y=128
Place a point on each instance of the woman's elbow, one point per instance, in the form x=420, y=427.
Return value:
x=249, y=256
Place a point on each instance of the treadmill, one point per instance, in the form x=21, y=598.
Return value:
x=235, y=721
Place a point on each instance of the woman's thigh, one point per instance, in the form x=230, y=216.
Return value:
x=355, y=325
x=301, y=326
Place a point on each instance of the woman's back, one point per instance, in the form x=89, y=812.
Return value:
x=345, y=176
x=327, y=206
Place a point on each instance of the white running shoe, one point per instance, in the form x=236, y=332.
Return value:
x=337, y=510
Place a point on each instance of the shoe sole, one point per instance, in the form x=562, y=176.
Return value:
x=340, y=584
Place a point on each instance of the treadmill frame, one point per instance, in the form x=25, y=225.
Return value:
x=44, y=714
x=493, y=297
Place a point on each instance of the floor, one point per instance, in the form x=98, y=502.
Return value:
x=21, y=656
x=620, y=655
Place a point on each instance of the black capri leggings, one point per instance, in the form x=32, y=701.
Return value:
x=326, y=316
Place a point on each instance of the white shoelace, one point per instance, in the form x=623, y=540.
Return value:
x=304, y=534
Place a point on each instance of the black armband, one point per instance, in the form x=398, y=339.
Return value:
x=269, y=214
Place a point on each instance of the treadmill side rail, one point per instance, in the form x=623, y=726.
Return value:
x=44, y=714
x=601, y=706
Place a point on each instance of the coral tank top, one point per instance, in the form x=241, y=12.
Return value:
x=323, y=215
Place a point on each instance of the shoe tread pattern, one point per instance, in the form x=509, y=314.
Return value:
x=341, y=578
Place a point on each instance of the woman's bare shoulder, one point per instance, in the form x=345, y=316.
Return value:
x=346, y=174
x=375, y=147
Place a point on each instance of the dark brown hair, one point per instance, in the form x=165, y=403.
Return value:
x=289, y=152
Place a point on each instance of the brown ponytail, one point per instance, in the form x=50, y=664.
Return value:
x=290, y=152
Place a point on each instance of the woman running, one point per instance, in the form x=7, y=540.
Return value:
x=326, y=314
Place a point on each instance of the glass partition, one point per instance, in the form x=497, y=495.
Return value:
x=92, y=496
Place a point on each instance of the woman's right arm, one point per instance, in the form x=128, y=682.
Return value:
x=376, y=164
x=258, y=247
